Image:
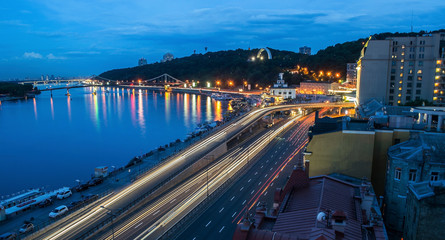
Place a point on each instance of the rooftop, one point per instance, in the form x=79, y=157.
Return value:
x=426, y=189
x=349, y=208
x=420, y=144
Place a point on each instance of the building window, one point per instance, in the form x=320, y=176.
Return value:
x=409, y=84
x=410, y=71
x=418, y=92
x=393, y=63
x=412, y=175
x=411, y=63
x=410, y=78
x=418, y=85
x=420, y=63
x=393, y=70
x=408, y=92
x=419, y=78
x=391, y=98
x=393, y=77
x=434, y=176
x=419, y=71
x=398, y=174
x=417, y=98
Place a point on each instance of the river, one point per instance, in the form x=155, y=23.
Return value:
x=53, y=141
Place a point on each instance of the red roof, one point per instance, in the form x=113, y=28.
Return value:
x=299, y=217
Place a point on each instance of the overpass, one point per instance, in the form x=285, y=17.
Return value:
x=36, y=82
x=163, y=177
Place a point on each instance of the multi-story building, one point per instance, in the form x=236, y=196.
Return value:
x=305, y=50
x=417, y=160
x=424, y=218
x=403, y=69
x=282, y=89
x=351, y=73
x=142, y=61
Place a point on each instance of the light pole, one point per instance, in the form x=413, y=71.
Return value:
x=112, y=216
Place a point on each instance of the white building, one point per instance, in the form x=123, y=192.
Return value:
x=282, y=89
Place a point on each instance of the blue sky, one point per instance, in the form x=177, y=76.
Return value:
x=85, y=37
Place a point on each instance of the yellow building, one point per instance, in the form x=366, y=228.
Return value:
x=341, y=145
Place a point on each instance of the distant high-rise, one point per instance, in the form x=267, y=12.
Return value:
x=305, y=50
x=167, y=57
x=403, y=69
x=142, y=61
x=351, y=73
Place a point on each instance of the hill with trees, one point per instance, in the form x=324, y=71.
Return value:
x=235, y=65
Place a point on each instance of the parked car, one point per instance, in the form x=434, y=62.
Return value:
x=95, y=181
x=58, y=211
x=26, y=227
x=45, y=203
x=89, y=197
x=64, y=194
x=82, y=187
x=74, y=204
x=8, y=236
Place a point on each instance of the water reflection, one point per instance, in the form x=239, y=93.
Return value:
x=35, y=108
x=111, y=127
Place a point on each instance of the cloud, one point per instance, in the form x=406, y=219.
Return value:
x=16, y=23
x=52, y=57
x=32, y=55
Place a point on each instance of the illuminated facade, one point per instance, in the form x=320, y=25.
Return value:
x=316, y=87
x=282, y=89
x=403, y=69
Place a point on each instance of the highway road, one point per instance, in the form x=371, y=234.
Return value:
x=255, y=187
x=76, y=224
x=148, y=223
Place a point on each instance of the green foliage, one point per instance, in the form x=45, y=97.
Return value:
x=233, y=65
x=15, y=89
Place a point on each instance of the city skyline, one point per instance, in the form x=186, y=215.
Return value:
x=72, y=38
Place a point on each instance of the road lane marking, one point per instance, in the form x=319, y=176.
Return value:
x=276, y=163
x=221, y=210
x=208, y=223
x=249, y=180
x=276, y=151
x=271, y=184
x=243, y=202
x=241, y=189
x=252, y=191
x=256, y=173
x=234, y=214
x=156, y=212
x=258, y=204
x=138, y=225
x=261, y=166
x=173, y=200
x=265, y=175
x=270, y=169
x=194, y=238
x=222, y=229
x=265, y=194
x=259, y=183
x=279, y=158
x=232, y=198
x=267, y=161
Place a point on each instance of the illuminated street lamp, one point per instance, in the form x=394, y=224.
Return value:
x=230, y=83
x=208, y=84
x=218, y=83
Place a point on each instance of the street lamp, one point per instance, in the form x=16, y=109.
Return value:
x=112, y=216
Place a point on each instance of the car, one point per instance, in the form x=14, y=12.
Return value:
x=8, y=236
x=82, y=187
x=45, y=203
x=26, y=227
x=64, y=194
x=89, y=197
x=95, y=181
x=58, y=211
x=74, y=204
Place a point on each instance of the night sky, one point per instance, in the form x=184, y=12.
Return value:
x=84, y=37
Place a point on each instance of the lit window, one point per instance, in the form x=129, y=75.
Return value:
x=401, y=75
x=403, y=60
x=401, y=67
x=436, y=91
x=401, y=82
x=434, y=176
x=437, y=77
x=439, y=62
x=412, y=175
x=400, y=89
x=398, y=174
x=403, y=53
x=437, y=69
x=435, y=98
x=436, y=84
x=399, y=95
x=419, y=71
x=398, y=101
x=419, y=78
